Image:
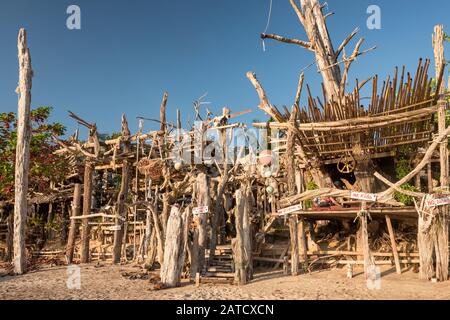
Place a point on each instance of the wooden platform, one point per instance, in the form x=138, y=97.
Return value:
x=405, y=213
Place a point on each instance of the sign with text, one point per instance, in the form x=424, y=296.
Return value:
x=197, y=210
x=432, y=202
x=291, y=209
x=363, y=196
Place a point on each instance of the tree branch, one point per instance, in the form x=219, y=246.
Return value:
x=297, y=10
x=264, y=102
x=345, y=42
x=299, y=91
x=304, y=44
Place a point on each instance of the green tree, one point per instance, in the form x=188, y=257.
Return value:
x=44, y=165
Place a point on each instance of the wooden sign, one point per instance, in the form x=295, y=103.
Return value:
x=291, y=209
x=363, y=196
x=432, y=202
x=114, y=228
x=197, y=210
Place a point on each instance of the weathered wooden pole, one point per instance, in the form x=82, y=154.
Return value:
x=290, y=167
x=76, y=208
x=441, y=222
x=398, y=267
x=87, y=202
x=200, y=234
x=22, y=153
x=123, y=193
x=223, y=180
x=241, y=245
x=175, y=247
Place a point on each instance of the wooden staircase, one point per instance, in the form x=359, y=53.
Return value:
x=220, y=269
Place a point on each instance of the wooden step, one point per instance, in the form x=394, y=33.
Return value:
x=218, y=274
x=219, y=269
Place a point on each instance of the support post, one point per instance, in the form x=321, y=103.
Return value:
x=76, y=206
x=398, y=267
x=175, y=247
x=200, y=234
x=123, y=194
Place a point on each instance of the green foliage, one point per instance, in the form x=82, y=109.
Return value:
x=405, y=199
x=402, y=168
x=311, y=185
x=107, y=136
x=44, y=165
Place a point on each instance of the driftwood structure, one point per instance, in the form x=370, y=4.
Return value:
x=315, y=186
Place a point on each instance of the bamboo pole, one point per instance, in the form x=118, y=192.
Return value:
x=22, y=153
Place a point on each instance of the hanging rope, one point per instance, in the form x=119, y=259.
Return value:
x=267, y=25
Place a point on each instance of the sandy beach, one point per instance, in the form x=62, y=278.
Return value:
x=105, y=282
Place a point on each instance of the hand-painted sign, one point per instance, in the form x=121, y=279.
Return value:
x=291, y=209
x=363, y=196
x=198, y=210
x=432, y=202
x=114, y=228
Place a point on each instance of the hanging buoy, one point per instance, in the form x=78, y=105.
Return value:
x=269, y=189
x=178, y=166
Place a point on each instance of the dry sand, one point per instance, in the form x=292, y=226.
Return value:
x=106, y=281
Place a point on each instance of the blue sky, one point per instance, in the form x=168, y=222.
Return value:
x=129, y=52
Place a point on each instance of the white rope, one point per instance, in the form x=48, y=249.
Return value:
x=267, y=25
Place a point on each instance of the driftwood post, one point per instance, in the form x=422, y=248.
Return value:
x=398, y=267
x=441, y=223
x=241, y=245
x=22, y=153
x=369, y=262
x=87, y=202
x=290, y=168
x=122, y=197
x=76, y=206
x=175, y=247
x=200, y=235
x=218, y=208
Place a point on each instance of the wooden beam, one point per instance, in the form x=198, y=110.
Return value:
x=398, y=268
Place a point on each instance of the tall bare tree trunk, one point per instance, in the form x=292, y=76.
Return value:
x=22, y=153
x=122, y=197
x=76, y=206
x=313, y=21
